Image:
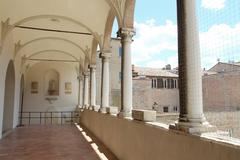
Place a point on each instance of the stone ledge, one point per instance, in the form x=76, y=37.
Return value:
x=154, y=136
x=144, y=115
x=193, y=128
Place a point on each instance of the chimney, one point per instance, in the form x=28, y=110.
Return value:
x=132, y=67
x=168, y=67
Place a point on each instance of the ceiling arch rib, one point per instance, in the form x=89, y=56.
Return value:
x=124, y=12
x=108, y=30
x=80, y=61
x=56, y=51
x=117, y=7
x=95, y=35
x=84, y=52
x=94, y=52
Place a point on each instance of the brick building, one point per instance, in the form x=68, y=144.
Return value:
x=155, y=89
x=221, y=87
x=158, y=88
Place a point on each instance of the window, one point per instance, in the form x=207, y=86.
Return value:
x=154, y=83
x=168, y=83
x=172, y=83
x=159, y=83
x=165, y=109
x=175, y=108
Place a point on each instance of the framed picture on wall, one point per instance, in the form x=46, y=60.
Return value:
x=68, y=87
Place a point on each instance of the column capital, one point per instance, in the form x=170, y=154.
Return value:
x=85, y=74
x=126, y=32
x=80, y=77
x=106, y=54
x=92, y=66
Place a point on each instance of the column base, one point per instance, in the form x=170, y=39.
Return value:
x=86, y=106
x=123, y=114
x=91, y=108
x=193, y=127
x=79, y=107
x=112, y=110
x=96, y=108
x=103, y=110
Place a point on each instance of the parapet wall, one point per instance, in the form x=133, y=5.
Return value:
x=134, y=140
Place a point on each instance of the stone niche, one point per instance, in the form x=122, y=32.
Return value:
x=144, y=115
x=51, y=81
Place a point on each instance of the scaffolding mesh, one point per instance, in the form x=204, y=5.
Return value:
x=219, y=32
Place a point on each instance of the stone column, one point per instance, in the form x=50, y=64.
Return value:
x=105, y=81
x=80, y=91
x=93, y=86
x=126, y=35
x=191, y=118
x=85, y=94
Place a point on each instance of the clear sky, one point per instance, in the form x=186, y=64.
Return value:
x=155, y=44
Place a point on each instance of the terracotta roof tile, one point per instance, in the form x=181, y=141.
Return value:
x=144, y=71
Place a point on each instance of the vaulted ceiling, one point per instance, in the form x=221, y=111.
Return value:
x=62, y=29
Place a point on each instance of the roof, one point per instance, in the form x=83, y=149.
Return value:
x=206, y=73
x=144, y=71
x=222, y=67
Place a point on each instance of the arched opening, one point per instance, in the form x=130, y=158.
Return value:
x=8, y=99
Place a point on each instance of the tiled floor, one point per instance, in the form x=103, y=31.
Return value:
x=53, y=142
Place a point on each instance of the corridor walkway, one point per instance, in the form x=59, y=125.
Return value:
x=53, y=142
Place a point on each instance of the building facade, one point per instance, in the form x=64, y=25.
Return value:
x=221, y=87
x=155, y=89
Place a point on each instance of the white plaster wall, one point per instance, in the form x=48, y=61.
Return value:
x=37, y=102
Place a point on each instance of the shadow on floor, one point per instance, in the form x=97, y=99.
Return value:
x=103, y=152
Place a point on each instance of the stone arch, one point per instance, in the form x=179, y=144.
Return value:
x=128, y=21
x=9, y=95
x=115, y=11
x=108, y=30
x=94, y=53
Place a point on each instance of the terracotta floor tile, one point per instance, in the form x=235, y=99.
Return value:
x=53, y=142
